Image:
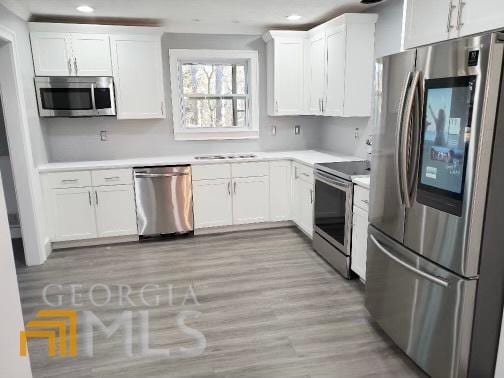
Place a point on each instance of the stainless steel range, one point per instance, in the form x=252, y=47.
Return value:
x=333, y=211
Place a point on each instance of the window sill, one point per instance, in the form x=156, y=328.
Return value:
x=221, y=135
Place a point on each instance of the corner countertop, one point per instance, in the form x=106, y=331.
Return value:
x=308, y=157
x=363, y=181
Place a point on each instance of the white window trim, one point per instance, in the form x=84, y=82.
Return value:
x=181, y=55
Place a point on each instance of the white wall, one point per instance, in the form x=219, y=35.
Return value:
x=11, y=363
x=78, y=139
x=25, y=131
x=337, y=134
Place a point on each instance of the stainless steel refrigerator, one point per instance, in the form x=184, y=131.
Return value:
x=435, y=268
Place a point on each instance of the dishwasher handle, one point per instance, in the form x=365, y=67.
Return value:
x=156, y=175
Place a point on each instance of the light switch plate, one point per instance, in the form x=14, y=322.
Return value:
x=103, y=136
x=297, y=130
x=273, y=130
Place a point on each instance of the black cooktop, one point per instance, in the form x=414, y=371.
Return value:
x=346, y=169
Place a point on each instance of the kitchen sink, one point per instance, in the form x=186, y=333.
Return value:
x=220, y=157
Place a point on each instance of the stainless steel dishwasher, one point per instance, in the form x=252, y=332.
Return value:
x=164, y=200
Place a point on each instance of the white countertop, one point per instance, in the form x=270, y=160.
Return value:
x=363, y=181
x=308, y=157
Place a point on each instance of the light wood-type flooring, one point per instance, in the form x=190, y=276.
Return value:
x=269, y=307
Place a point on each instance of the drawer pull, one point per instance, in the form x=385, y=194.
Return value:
x=67, y=181
x=115, y=178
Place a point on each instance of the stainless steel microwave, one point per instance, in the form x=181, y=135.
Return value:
x=75, y=96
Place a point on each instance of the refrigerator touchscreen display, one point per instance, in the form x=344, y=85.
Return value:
x=446, y=133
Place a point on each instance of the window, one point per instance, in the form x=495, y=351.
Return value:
x=214, y=94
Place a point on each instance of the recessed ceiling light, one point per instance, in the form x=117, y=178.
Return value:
x=85, y=9
x=293, y=17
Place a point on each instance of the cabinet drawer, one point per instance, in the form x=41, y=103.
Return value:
x=303, y=172
x=211, y=171
x=250, y=169
x=112, y=177
x=361, y=197
x=76, y=179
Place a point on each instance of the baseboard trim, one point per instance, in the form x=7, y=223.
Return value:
x=242, y=227
x=94, y=242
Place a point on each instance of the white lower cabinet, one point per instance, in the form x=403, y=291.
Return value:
x=250, y=200
x=212, y=203
x=115, y=210
x=280, y=190
x=359, y=231
x=302, y=198
x=73, y=214
x=79, y=210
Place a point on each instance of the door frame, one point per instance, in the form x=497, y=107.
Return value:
x=26, y=177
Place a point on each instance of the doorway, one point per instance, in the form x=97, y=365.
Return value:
x=10, y=192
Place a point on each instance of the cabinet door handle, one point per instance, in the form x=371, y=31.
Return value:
x=449, y=26
x=459, y=15
x=96, y=197
x=229, y=187
x=69, y=63
x=295, y=173
x=276, y=106
x=89, y=195
x=75, y=66
x=311, y=195
x=162, y=108
x=234, y=187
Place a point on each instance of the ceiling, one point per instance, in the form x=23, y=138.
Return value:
x=208, y=16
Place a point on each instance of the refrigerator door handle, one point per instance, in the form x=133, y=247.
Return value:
x=414, y=134
x=427, y=276
x=405, y=133
x=402, y=104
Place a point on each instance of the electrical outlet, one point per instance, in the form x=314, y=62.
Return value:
x=273, y=130
x=297, y=130
x=103, y=136
x=356, y=133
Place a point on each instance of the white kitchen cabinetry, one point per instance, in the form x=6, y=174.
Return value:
x=303, y=198
x=285, y=70
x=90, y=204
x=317, y=72
x=115, y=210
x=71, y=54
x=280, y=190
x=448, y=19
x=212, y=203
x=138, y=76
x=230, y=194
x=72, y=214
x=250, y=200
x=359, y=231
x=342, y=65
x=91, y=55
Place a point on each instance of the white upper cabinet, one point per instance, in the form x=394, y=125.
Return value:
x=430, y=21
x=476, y=16
x=285, y=70
x=336, y=46
x=52, y=54
x=317, y=72
x=91, y=55
x=333, y=68
x=71, y=54
x=138, y=76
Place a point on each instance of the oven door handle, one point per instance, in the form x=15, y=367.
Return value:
x=333, y=181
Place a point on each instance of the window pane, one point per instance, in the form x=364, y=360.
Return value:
x=225, y=112
x=213, y=79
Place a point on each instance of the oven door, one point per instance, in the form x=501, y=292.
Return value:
x=333, y=210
